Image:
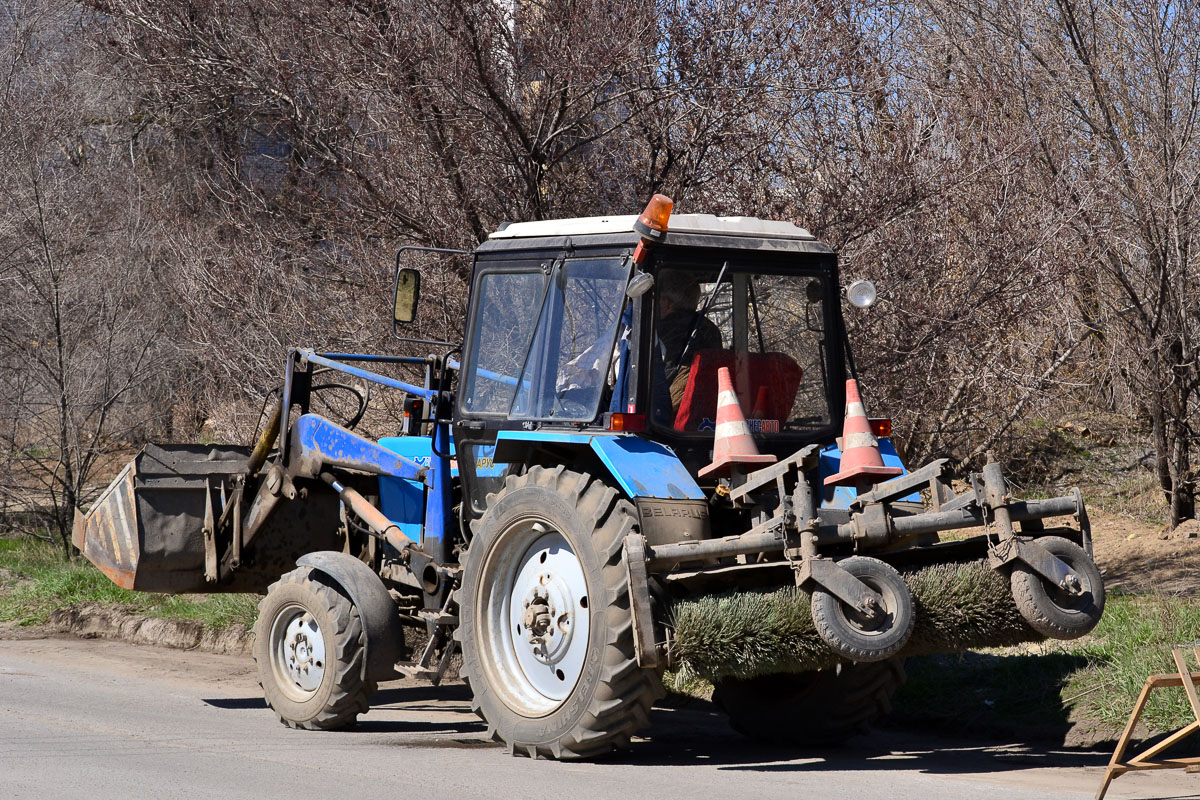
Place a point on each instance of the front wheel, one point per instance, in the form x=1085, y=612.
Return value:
x=309, y=646
x=546, y=632
x=1052, y=611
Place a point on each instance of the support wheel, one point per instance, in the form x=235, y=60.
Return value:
x=1052, y=611
x=859, y=636
x=811, y=708
x=309, y=645
x=546, y=631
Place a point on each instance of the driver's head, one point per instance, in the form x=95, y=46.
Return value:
x=679, y=292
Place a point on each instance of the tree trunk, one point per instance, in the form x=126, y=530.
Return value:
x=1183, y=494
x=1158, y=432
x=1172, y=459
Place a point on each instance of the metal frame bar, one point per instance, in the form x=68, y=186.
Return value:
x=438, y=516
x=309, y=356
x=369, y=357
x=930, y=475
x=437, y=499
x=770, y=538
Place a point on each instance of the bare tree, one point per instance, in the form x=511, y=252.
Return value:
x=228, y=179
x=78, y=339
x=1109, y=94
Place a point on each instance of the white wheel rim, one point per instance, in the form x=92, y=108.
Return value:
x=297, y=652
x=533, y=618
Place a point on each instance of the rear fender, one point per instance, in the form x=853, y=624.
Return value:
x=376, y=609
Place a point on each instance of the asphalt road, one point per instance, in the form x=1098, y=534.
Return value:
x=98, y=719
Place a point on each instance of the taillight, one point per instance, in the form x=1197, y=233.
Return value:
x=414, y=411
x=627, y=422
x=881, y=428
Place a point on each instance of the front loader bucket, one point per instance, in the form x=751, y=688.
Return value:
x=146, y=531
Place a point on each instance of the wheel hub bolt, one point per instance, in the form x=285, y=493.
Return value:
x=538, y=615
x=1071, y=584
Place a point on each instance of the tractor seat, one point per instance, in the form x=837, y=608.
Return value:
x=765, y=383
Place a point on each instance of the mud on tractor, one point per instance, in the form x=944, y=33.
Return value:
x=642, y=410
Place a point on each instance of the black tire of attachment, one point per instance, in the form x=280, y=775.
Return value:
x=343, y=694
x=811, y=708
x=1051, y=611
x=609, y=704
x=855, y=637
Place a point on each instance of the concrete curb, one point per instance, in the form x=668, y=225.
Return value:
x=94, y=620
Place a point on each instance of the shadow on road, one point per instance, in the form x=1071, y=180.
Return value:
x=368, y=725
x=236, y=703
x=686, y=730
x=697, y=731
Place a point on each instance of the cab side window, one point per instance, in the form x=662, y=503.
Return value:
x=508, y=304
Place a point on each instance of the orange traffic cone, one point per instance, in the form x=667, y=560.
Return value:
x=760, y=404
x=733, y=443
x=861, y=461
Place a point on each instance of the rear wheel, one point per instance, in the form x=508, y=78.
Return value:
x=1050, y=610
x=811, y=708
x=546, y=632
x=309, y=647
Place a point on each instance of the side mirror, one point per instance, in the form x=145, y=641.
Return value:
x=407, y=295
x=861, y=294
x=813, y=292
x=639, y=284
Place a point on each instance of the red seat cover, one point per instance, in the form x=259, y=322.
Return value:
x=765, y=383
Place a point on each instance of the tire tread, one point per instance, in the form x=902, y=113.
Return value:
x=350, y=695
x=1039, y=609
x=625, y=692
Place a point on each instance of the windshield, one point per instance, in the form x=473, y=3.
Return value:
x=767, y=329
x=567, y=367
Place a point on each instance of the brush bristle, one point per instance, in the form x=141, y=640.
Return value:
x=748, y=634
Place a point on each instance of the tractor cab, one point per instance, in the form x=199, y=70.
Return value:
x=586, y=327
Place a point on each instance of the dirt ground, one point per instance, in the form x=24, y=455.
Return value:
x=1136, y=558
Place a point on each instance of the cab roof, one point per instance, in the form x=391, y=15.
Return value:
x=705, y=224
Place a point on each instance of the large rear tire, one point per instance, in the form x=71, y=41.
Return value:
x=811, y=708
x=546, y=631
x=309, y=645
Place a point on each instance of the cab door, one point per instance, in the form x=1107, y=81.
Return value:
x=506, y=297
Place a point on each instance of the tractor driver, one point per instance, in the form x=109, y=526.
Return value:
x=678, y=316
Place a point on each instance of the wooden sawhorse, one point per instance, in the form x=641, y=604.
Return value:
x=1146, y=760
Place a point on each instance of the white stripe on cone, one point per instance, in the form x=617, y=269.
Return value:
x=851, y=440
x=736, y=428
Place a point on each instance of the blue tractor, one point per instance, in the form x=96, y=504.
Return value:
x=642, y=409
